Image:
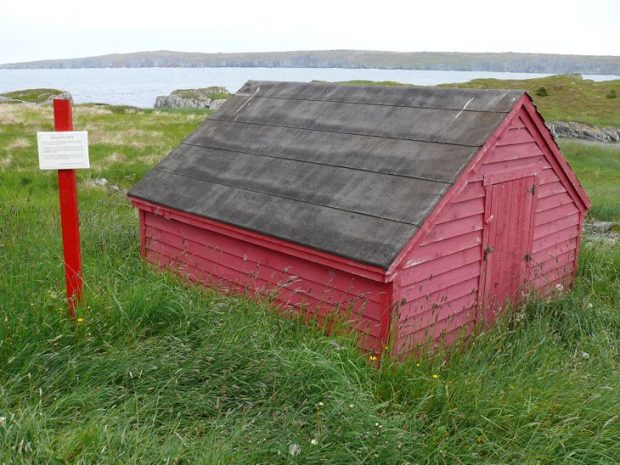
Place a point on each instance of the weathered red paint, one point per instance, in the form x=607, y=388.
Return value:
x=443, y=271
x=436, y=288
x=63, y=121
x=227, y=257
x=507, y=238
x=371, y=272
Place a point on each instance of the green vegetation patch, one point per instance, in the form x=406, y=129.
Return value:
x=211, y=93
x=159, y=371
x=564, y=98
x=34, y=95
x=558, y=98
x=598, y=168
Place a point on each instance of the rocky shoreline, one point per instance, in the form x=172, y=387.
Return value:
x=207, y=98
x=212, y=98
x=574, y=130
x=35, y=96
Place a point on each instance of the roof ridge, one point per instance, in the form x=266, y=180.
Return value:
x=348, y=102
x=403, y=87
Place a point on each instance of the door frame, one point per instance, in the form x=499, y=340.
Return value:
x=488, y=181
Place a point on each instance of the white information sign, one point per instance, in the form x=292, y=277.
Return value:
x=63, y=150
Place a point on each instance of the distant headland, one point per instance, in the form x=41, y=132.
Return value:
x=445, y=61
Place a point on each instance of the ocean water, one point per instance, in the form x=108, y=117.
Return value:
x=140, y=86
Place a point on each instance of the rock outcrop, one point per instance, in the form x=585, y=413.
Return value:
x=208, y=98
x=583, y=131
x=37, y=96
x=62, y=95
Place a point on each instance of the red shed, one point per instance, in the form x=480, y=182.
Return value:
x=409, y=213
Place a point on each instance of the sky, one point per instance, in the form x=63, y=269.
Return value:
x=44, y=29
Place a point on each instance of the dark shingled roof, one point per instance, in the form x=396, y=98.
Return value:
x=348, y=170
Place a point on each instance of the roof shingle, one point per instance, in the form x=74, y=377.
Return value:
x=348, y=170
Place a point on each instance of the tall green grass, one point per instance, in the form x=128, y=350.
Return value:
x=566, y=97
x=159, y=371
x=598, y=166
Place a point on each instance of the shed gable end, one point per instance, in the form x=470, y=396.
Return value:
x=439, y=282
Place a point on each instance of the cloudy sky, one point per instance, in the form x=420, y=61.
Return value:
x=39, y=29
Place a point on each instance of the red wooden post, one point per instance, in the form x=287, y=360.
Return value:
x=63, y=121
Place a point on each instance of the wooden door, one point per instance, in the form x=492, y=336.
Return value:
x=507, y=238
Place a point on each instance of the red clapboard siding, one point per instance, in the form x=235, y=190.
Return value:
x=550, y=188
x=448, y=246
x=472, y=190
x=454, y=228
x=439, y=328
x=555, y=249
x=429, y=317
x=411, y=344
x=265, y=281
x=553, y=227
x=553, y=201
x=548, y=175
x=257, y=257
x=461, y=209
x=516, y=123
x=285, y=296
x=441, y=265
x=552, y=278
x=550, y=240
x=554, y=214
x=504, y=166
x=463, y=331
x=437, y=299
x=516, y=135
x=439, y=282
x=219, y=255
x=544, y=267
x=556, y=232
x=439, y=277
x=225, y=262
x=555, y=287
x=246, y=273
x=514, y=152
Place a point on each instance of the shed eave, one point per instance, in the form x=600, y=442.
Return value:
x=364, y=270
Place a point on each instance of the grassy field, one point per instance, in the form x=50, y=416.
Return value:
x=598, y=168
x=565, y=98
x=156, y=371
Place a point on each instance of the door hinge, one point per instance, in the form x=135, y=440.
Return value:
x=527, y=257
x=532, y=189
x=488, y=250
